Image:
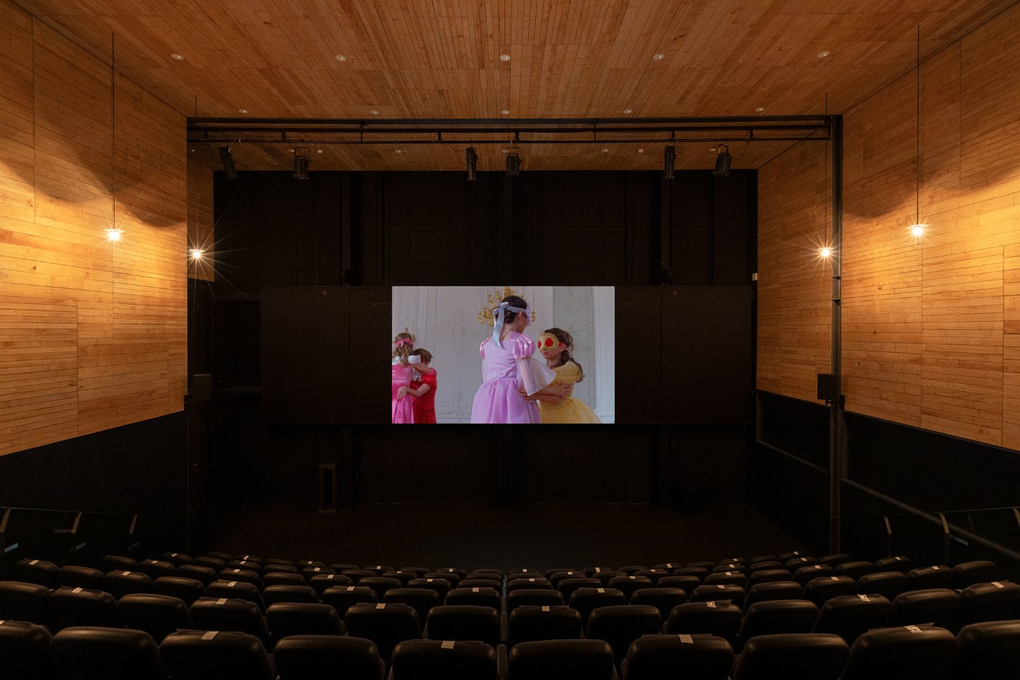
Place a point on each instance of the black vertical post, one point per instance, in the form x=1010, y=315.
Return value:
x=666, y=233
x=345, y=228
x=836, y=440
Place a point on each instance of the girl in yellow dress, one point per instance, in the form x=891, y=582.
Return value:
x=556, y=346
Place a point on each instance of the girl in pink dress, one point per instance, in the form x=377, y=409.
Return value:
x=402, y=403
x=508, y=367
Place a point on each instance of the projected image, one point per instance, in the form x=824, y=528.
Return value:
x=502, y=354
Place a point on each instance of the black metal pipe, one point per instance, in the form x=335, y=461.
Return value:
x=447, y=142
x=503, y=130
x=836, y=441
x=821, y=120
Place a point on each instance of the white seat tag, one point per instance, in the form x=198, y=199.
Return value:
x=602, y=590
x=913, y=629
x=864, y=598
x=381, y=605
x=209, y=635
x=447, y=644
x=231, y=584
x=545, y=607
x=222, y=600
x=711, y=604
x=686, y=639
x=997, y=584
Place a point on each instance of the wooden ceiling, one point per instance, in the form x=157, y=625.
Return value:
x=568, y=58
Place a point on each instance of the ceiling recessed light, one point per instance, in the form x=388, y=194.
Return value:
x=712, y=150
x=192, y=151
x=242, y=110
x=505, y=112
x=399, y=150
x=341, y=57
x=759, y=109
x=659, y=57
x=504, y=57
x=605, y=150
x=177, y=56
x=823, y=55
x=506, y=150
x=627, y=111
x=374, y=112
x=318, y=151
x=640, y=150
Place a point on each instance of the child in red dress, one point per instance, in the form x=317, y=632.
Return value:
x=423, y=389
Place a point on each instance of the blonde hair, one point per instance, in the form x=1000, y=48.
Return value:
x=404, y=349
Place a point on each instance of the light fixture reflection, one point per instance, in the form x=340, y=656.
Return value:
x=825, y=252
x=196, y=253
x=114, y=234
x=917, y=230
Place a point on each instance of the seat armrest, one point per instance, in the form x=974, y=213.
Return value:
x=501, y=662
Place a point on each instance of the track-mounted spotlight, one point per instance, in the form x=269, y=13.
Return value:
x=301, y=162
x=669, y=161
x=472, y=163
x=722, y=162
x=513, y=162
x=228, y=162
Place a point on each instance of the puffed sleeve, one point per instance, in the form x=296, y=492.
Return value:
x=568, y=373
x=481, y=347
x=535, y=375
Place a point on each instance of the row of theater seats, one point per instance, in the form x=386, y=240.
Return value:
x=534, y=601
x=984, y=651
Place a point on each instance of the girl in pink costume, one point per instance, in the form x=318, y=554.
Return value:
x=403, y=367
x=508, y=367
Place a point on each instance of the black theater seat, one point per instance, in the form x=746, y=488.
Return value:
x=917, y=607
x=700, y=573
x=343, y=598
x=799, y=563
x=653, y=574
x=117, y=563
x=215, y=655
x=586, y=600
x=767, y=576
x=80, y=577
x=719, y=593
x=291, y=618
x=84, y=607
x=562, y=660
x=308, y=573
x=776, y=617
x=698, y=657
x=774, y=590
x=323, y=582
x=26, y=602
x=250, y=565
x=486, y=597
x=443, y=660
x=557, y=576
x=968, y=573
x=568, y=585
x=620, y=625
x=805, y=575
x=384, y=624
x=995, y=601
x=277, y=568
x=419, y=571
x=889, y=584
x=762, y=558
x=279, y=594
x=926, y=578
x=175, y=558
x=237, y=590
x=421, y=599
x=157, y=615
x=204, y=575
x=684, y=583
x=824, y=588
x=25, y=651
x=631, y=570
x=208, y=562
x=530, y=623
x=463, y=622
x=629, y=584
x=155, y=569
x=230, y=615
x=763, y=565
x=188, y=589
x=835, y=560
x=910, y=653
x=319, y=657
x=109, y=653
x=517, y=598
x=121, y=583
x=988, y=651
x=40, y=572
x=727, y=578
x=282, y=578
x=709, y=618
x=237, y=574
x=850, y=616
x=406, y=577
x=855, y=570
x=529, y=583
x=663, y=599
x=810, y=656
x=440, y=585
x=900, y=563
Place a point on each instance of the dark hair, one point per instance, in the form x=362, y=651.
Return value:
x=513, y=301
x=426, y=356
x=568, y=340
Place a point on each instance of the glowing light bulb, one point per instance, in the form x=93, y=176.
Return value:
x=825, y=252
x=114, y=234
x=196, y=253
x=917, y=230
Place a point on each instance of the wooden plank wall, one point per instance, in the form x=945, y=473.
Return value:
x=931, y=326
x=93, y=334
